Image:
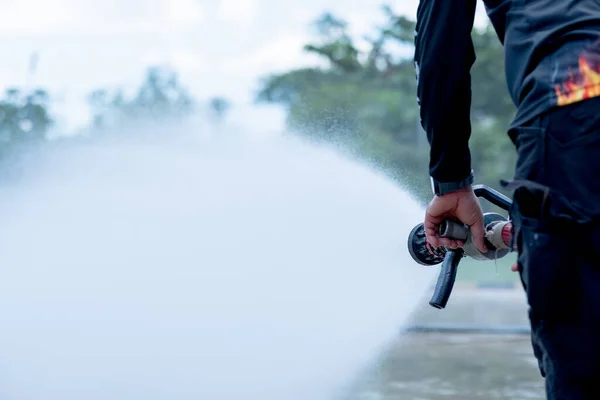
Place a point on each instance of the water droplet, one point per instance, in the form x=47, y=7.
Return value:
x=496, y=262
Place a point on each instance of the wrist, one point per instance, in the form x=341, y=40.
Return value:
x=442, y=188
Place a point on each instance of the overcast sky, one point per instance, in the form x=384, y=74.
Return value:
x=220, y=47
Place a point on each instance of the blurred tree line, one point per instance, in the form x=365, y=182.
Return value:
x=161, y=97
x=26, y=118
x=25, y=115
x=364, y=101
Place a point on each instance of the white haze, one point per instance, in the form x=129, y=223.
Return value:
x=199, y=268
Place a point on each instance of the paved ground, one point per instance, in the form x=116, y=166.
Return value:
x=476, y=306
x=436, y=366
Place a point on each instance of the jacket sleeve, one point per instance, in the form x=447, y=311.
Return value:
x=444, y=55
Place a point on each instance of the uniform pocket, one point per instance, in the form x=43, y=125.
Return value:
x=530, y=153
x=549, y=280
x=573, y=155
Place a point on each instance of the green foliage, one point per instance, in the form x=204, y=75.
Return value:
x=365, y=101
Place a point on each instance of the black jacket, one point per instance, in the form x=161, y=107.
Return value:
x=552, y=58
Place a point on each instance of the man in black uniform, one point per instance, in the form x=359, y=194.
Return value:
x=552, y=54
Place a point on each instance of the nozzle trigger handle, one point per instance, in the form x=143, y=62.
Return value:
x=446, y=279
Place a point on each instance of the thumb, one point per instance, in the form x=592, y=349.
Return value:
x=478, y=233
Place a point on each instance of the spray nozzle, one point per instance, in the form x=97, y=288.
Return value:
x=497, y=241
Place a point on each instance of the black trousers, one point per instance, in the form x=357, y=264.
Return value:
x=556, y=215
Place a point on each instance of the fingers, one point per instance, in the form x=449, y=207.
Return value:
x=452, y=244
x=431, y=225
x=433, y=236
x=439, y=209
x=478, y=233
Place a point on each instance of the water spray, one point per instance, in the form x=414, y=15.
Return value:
x=168, y=263
x=498, y=238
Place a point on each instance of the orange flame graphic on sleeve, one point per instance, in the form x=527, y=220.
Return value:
x=584, y=85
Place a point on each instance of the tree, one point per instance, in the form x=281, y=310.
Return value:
x=218, y=107
x=365, y=101
x=160, y=98
x=24, y=116
x=336, y=46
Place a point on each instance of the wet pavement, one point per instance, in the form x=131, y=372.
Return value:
x=448, y=365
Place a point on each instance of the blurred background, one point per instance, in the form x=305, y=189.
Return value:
x=340, y=73
x=335, y=74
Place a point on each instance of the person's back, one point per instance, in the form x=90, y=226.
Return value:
x=552, y=51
